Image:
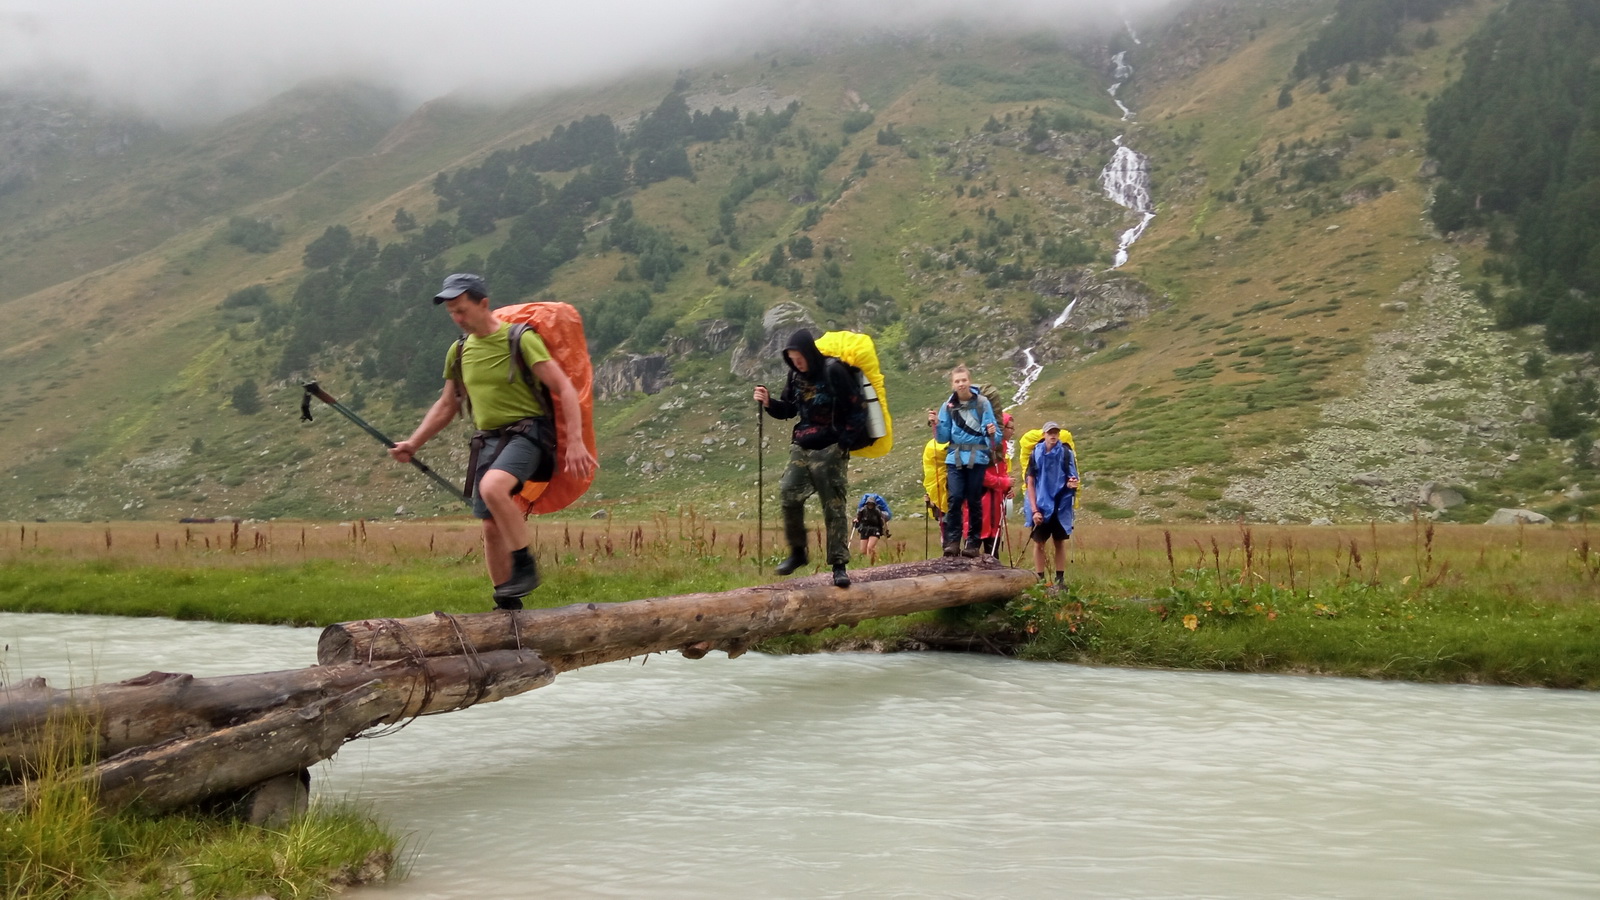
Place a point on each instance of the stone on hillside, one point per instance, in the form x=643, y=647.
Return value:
x=1439, y=497
x=1369, y=479
x=1321, y=521
x=1395, y=306
x=1517, y=517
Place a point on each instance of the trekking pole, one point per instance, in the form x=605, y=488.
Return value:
x=761, y=490
x=313, y=390
x=927, y=513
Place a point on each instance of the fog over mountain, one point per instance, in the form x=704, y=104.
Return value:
x=192, y=59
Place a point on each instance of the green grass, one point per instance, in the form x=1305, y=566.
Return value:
x=61, y=845
x=1420, y=602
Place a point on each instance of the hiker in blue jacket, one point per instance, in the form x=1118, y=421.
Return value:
x=966, y=421
x=1052, y=479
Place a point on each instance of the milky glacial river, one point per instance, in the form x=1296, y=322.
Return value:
x=924, y=775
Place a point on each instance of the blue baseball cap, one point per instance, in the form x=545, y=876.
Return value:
x=460, y=283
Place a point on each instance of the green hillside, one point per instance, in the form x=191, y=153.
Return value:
x=1291, y=339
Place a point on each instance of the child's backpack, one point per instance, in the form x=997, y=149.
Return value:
x=867, y=429
x=561, y=327
x=879, y=507
x=1033, y=438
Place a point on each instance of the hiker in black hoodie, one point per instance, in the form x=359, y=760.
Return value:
x=817, y=464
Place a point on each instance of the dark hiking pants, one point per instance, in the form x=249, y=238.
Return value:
x=966, y=495
x=821, y=472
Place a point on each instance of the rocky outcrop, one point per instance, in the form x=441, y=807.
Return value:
x=1098, y=306
x=777, y=324
x=632, y=374
x=710, y=337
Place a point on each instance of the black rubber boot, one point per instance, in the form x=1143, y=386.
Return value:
x=524, y=578
x=840, y=577
x=797, y=558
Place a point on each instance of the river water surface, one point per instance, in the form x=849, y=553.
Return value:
x=932, y=775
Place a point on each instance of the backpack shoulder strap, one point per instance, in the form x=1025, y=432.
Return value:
x=456, y=379
x=519, y=363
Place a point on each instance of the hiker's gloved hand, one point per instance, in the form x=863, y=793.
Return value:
x=403, y=451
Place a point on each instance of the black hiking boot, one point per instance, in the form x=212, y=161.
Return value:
x=840, y=577
x=973, y=548
x=797, y=558
x=524, y=578
x=508, y=603
x=952, y=548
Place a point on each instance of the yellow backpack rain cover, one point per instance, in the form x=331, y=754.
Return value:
x=858, y=350
x=1031, y=438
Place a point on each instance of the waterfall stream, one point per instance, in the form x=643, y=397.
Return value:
x=1126, y=181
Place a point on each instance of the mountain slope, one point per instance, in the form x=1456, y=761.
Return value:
x=1288, y=340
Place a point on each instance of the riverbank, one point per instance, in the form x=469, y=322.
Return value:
x=61, y=843
x=1419, y=602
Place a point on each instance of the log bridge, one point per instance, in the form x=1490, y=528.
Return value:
x=164, y=741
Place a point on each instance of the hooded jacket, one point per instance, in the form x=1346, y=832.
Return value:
x=1047, y=474
x=814, y=395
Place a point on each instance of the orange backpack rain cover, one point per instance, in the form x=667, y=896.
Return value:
x=561, y=327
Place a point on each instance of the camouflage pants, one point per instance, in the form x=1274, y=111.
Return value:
x=821, y=472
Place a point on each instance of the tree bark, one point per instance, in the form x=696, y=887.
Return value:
x=161, y=707
x=570, y=637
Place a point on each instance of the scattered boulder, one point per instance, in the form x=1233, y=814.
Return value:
x=1369, y=479
x=1517, y=517
x=1439, y=497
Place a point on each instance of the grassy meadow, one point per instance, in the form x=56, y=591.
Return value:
x=1415, y=601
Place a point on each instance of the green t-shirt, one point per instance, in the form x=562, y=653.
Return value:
x=486, y=361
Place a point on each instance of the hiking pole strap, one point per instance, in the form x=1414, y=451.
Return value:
x=313, y=390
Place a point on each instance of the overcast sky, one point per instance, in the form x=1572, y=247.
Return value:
x=201, y=57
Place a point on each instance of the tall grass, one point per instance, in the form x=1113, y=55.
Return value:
x=61, y=845
x=1513, y=605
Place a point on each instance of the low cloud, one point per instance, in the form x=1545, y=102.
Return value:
x=201, y=58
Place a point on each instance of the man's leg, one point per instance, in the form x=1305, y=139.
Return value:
x=508, y=528
x=1038, y=559
x=957, y=505
x=793, y=489
x=1061, y=560
x=829, y=468
x=506, y=554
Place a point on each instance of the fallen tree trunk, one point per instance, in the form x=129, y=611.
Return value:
x=570, y=637
x=160, y=708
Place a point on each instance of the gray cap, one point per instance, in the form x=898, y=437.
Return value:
x=1051, y=426
x=458, y=284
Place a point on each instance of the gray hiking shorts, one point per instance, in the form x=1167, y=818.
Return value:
x=520, y=458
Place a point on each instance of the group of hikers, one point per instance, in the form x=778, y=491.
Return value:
x=967, y=474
